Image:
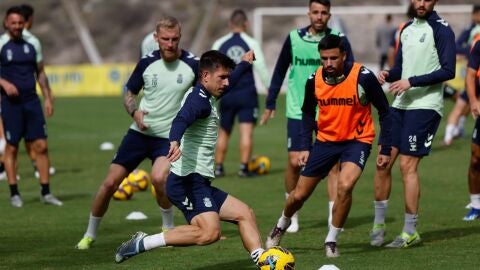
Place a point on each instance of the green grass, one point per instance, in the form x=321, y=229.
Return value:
x=43, y=237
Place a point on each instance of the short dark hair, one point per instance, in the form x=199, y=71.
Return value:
x=331, y=42
x=27, y=11
x=213, y=59
x=411, y=13
x=476, y=8
x=321, y=2
x=238, y=17
x=14, y=10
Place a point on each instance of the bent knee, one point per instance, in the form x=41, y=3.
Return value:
x=209, y=236
x=159, y=179
x=293, y=162
x=298, y=196
x=246, y=214
x=40, y=146
x=110, y=185
x=344, y=189
x=475, y=163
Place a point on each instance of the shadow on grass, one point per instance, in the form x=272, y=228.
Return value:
x=351, y=222
x=448, y=233
x=428, y=237
x=75, y=196
x=358, y=221
x=62, y=197
x=237, y=265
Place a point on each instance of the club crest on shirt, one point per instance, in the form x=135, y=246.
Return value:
x=235, y=53
x=422, y=39
x=179, y=78
x=9, y=55
x=26, y=49
x=155, y=80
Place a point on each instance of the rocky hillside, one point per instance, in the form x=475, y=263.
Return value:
x=118, y=26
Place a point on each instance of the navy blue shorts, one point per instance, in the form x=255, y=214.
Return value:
x=137, y=146
x=413, y=130
x=464, y=96
x=475, y=135
x=294, y=138
x=245, y=114
x=324, y=155
x=193, y=194
x=23, y=119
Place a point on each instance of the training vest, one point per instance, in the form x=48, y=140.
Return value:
x=341, y=116
x=472, y=44
x=305, y=59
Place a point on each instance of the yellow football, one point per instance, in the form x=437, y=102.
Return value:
x=276, y=258
x=124, y=191
x=139, y=179
x=262, y=164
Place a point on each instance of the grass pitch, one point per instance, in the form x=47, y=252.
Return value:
x=40, y=236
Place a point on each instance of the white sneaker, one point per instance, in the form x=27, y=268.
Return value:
x=3, y=176
x=331, y=250
x=50, y=199
x=294, y=227
x=274, y=237
x=16, y=201
x=377, y=235
x=51, y=171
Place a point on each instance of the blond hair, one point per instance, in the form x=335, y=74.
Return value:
x=167, y=22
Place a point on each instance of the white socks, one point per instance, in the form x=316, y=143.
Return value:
x=294, y=227
x=475, y=200
x=410, y=225
x=154, y=241
x=93, y=223
x=255, y=255
x=330, y=211
x=450, y=131
x=461, y=125
x=380, y=211
x=283, y=222
x=333, y=233
x=167, y=218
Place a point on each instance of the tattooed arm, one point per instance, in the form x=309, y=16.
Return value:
x=130, y=103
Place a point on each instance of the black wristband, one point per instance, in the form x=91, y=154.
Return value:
x=133, y=112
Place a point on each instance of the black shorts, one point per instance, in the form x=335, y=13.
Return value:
x=193, y=194
x=324, y=155
x=23, y=119
x=136, y=147
x=413, y=130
